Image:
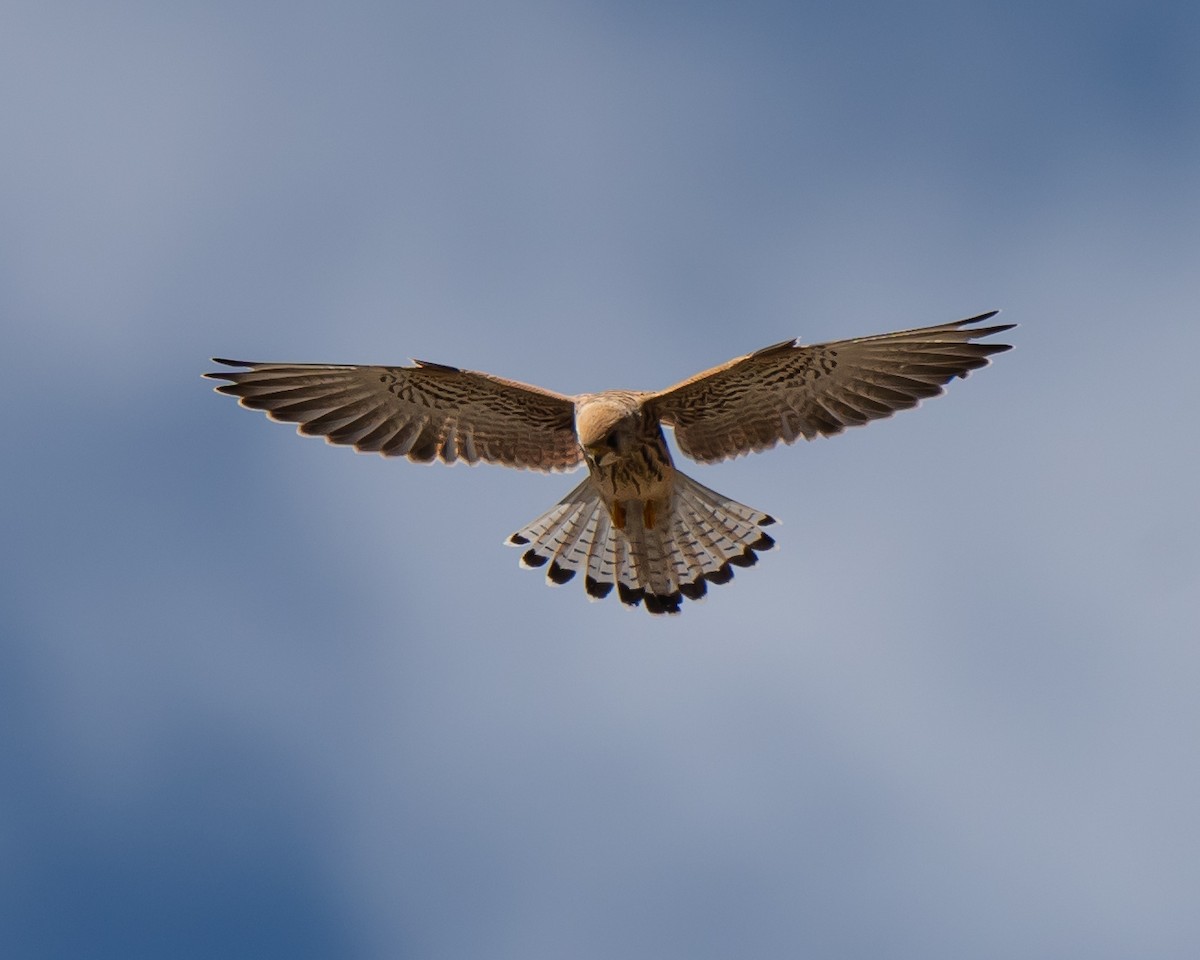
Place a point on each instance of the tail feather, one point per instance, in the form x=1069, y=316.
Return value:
x=601, y=557
x=652, y=567
x=698, y=540
x=554, y=537
x=727, y=532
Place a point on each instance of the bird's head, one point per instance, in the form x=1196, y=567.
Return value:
x=607, y=427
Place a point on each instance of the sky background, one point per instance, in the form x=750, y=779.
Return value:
x=263, y=697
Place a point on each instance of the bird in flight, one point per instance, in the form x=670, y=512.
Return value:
x=635, y=524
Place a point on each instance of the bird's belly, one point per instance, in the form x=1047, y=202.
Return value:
x=645, y=475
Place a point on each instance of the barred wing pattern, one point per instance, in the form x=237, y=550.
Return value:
x=423, y=412
x=788, y=391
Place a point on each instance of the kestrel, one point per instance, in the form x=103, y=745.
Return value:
x=635, y=523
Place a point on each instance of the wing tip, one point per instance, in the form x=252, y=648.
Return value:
x=436, y=367
x=988, y=331
x=779, y=347
x=977, y=333
x=224, y=374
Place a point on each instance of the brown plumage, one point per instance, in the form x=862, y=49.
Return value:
x=635, y=523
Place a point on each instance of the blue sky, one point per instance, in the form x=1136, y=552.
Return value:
x=264, y=697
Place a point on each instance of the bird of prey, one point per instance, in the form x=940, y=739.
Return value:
x=635, y=523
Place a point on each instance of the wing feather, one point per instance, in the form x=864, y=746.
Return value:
x=425, y=412
x=788, y=390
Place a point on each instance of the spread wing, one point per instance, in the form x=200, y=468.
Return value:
x=422, y=412
x=788, y=391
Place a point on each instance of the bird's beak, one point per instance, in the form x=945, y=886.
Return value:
x=600, y=454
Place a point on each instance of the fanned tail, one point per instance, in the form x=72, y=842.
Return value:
x=698, y=540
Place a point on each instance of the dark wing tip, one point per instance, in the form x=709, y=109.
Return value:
x=987, y=331
x=439, y=367
x=991, y=331
x=986, y=349
x=221, y=374
x=779, y=347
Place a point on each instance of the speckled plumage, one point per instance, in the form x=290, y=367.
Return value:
x=635, y=524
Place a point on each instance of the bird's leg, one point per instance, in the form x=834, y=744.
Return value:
x=650, y=512
x=617, y=512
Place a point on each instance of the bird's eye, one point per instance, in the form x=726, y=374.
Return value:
x=611, y=441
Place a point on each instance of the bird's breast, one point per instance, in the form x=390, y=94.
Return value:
x=645, y=472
